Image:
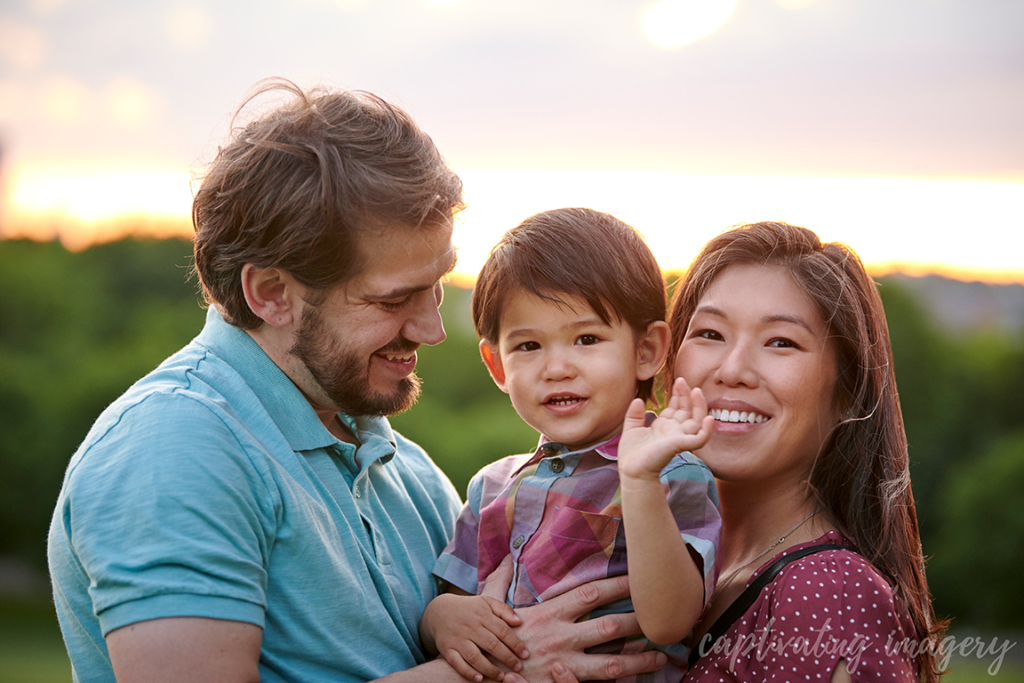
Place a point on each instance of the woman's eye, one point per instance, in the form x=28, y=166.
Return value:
x=783, y=343
x=707, y=334
x=587, y=340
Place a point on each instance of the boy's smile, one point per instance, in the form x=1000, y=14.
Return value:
x=570, y=375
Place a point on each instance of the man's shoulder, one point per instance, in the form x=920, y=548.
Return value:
x=186, y=399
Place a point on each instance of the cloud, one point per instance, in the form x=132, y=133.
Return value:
x=21, y=45
x=188, y=26
x=130, y=102
x=64, y=100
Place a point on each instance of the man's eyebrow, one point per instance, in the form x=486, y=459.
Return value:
x=401, y=292
x=455, y=259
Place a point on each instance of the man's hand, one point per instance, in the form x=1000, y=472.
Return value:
x=553, y=635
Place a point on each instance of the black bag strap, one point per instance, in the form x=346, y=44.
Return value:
x=741, y=604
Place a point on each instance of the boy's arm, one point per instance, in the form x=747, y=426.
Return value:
x=462, y=627
x=665, y=582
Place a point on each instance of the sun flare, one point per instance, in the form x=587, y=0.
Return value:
x=673, y=23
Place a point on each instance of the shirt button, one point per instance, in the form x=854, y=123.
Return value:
x=557, y=466
x=518, y=542
x=548, y=451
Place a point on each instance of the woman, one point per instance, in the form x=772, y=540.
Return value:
x=787, y=338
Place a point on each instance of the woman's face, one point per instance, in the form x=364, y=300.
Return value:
x=758, y=348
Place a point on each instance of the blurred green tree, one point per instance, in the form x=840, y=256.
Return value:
x=76, y=329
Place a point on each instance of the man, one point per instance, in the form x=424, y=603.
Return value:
x=244, y=512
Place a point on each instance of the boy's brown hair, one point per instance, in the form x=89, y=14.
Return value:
x=575, y=252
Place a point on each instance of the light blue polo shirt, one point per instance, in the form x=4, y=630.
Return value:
x=211, y=489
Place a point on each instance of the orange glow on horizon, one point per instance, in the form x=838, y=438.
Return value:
x=967, y=230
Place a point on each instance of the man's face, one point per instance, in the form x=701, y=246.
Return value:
x=358, y=348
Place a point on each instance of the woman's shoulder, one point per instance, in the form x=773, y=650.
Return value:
x=833, y=558
x=837, y=596
x=840, y=575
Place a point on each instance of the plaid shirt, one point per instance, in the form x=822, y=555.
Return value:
x=559, y=514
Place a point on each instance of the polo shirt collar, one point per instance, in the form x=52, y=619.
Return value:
x=293, y=414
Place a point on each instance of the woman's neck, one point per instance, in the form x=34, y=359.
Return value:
x=756, y=516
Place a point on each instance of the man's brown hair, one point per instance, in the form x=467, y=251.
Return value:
x=294, y=188
x=574, y=252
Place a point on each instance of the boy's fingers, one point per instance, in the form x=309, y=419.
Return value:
x=503, y=611
x=496, y=649
x=502, y=644
x=459, y=664
x=698, y=404
x=635, y=417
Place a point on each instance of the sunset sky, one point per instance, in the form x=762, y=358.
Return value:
x=894, y=125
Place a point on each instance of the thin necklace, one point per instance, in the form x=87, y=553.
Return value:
x=728, y=579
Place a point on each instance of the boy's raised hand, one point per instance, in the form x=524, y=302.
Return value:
x=462, y=628
x=684, y=425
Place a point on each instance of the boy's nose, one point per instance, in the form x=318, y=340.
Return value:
x=557, y=366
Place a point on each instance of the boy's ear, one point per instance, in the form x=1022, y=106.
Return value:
x=271, y=294
x=492, y=359
x=652, y=350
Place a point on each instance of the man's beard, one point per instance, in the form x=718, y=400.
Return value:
x=344, y=376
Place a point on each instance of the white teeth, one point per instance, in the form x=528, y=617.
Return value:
x=736, y=416
x=564, y=401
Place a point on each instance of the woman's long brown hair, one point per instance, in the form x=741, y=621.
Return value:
x=861, y=474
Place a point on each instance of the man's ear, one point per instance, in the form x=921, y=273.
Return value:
x=652, y=349
x=492, y=359
x=272, y=294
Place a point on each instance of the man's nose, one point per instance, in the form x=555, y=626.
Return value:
x=425, y=325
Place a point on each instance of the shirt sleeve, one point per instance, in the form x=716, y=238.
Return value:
x=835, y=606
x=167, y=521
x=457, y=564
x=693, y=499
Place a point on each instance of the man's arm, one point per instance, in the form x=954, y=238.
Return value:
x=186, y=649
x=217, y=650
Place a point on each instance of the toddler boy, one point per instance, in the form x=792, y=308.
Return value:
x=570, y=308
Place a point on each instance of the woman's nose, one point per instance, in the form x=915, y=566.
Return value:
x=737, y=368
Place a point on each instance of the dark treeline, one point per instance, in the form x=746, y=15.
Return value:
x=76, y=329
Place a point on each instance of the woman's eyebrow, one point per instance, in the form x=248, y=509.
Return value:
x=710, y=310
x=792, y=319
x=767, y=320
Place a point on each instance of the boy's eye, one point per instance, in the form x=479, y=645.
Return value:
x=587, y=340
x=528, y=346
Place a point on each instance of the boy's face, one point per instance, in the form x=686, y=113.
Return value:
x=570, y=376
